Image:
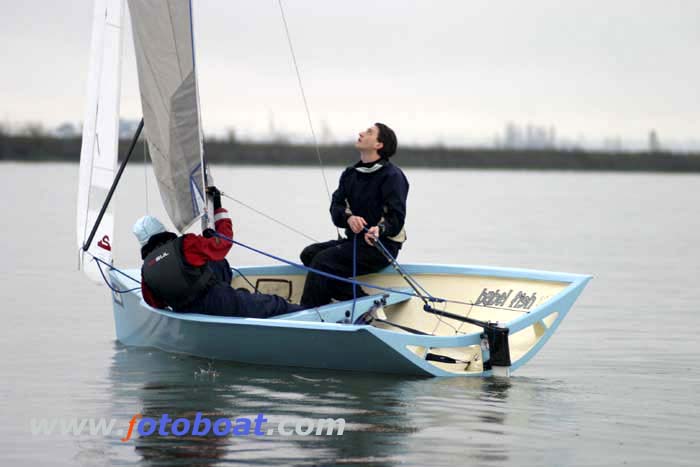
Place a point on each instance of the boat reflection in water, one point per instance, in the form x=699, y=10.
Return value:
x=387, y=419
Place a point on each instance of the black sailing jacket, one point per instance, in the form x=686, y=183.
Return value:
x=375, y=191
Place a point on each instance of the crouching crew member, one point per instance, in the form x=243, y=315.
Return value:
x=190, y=273
x=371, y=194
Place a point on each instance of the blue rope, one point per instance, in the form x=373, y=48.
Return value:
x=252, y=286
x=114, y=269
x=314, y=270
x=354, y=274
x=111, y=287
x=305, y=268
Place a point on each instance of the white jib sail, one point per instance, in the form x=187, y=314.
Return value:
x=98, y=154
x=163, y=42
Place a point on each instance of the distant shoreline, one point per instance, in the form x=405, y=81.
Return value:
x=49, y=149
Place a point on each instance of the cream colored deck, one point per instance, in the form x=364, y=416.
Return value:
x=453, y=287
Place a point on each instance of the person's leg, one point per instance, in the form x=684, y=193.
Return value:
x=222, y=300
x=369, y=260
x=263, y=305
x=337, y=260
x=307, y=255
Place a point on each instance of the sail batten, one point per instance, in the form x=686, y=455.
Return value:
x=162, y=31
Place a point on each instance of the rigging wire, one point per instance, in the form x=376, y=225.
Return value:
x=413, y=283
x=306, y=268
x=310, y=269
x=359, y=283
x=99, y=261
x=354, y=275
x=111, y=267
x=111, y=287
x=471, y=307
x=145, y=173
x=306, y=104
x=409, y=279
x=267, y=216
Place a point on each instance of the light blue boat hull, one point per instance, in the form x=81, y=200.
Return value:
x=302, y=340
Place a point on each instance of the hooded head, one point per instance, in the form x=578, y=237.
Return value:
x=146, y=227
x=151, y=233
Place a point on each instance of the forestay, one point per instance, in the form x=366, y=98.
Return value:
x=163, y=42
x=98, y=154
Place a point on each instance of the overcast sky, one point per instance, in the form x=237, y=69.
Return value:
x=437, y=71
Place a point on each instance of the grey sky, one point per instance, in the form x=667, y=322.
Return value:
x=451, y=71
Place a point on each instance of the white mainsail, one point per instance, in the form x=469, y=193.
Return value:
x=98, y=154
x=163, y=42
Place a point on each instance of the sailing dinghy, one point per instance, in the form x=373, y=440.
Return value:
x=475, y=321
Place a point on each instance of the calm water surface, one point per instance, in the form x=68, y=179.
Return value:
x=617, y=384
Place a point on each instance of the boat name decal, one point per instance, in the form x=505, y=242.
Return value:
x=497, y=298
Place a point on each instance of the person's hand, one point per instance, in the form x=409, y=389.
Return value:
x=215, y=196
x=372, y=235
x=208, y=233
x=356, y=223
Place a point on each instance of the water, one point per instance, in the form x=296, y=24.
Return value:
x=618, y=383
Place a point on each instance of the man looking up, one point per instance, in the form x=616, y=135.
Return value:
x=371, y=195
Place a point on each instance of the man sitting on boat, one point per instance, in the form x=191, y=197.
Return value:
x=371, y=198
x=190, y=273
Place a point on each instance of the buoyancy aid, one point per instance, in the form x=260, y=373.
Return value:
x=171, y=278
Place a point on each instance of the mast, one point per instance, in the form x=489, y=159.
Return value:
x=118, y=177
x=208, y=217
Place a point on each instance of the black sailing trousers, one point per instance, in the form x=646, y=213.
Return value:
x=223, y=300
x=335, y=257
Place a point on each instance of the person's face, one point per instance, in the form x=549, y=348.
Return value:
x=367, y=139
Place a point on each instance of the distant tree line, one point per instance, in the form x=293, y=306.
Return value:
x=32, y=145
